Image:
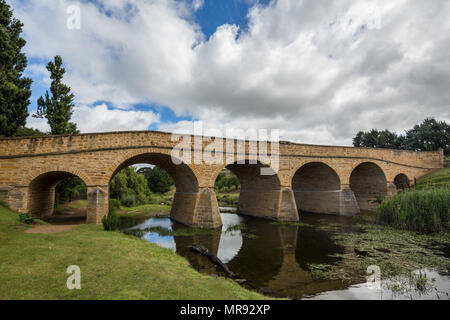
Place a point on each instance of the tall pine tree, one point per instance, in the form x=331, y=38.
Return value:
x=58, y=108
x=14, y=88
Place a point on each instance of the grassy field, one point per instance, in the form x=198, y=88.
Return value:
x=145, y=210
x=436, y=179
x=113, y=266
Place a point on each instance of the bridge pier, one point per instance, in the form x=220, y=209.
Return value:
x=348, y=205
x=98, y=203
x=391, y=189
x=197, y=209
x=334, y=202
x=15, y=198
x=269, y=204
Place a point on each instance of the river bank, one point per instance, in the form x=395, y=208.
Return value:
x=113, y=266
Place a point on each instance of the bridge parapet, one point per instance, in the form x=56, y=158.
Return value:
x=34, y=146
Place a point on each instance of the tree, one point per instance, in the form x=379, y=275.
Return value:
x=377, y=139
x=430, y=135
x=159, y=181
x=130, y=188
x=59, y=108
x=14, y=88
x=227, y=182
x=28, y=132
x=69, y=190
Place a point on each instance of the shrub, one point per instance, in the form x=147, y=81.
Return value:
x=26, y=218
x=110, y=221
x=157, y=199
x=128, y=200
x=114, y=204
x=424, y=211
x=141, y=199
x=227, y=183
x=159, y=181
x=130, y=188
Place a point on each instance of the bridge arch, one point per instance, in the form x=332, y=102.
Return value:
x=402, y=182
x=41, y=192
x=60, y=168
x=300, y=164
x=261, y=195
x=185, y=178
x=317, y=187
x=193, y=204
x=368, y=183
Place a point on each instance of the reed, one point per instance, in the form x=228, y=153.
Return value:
x=424, y=211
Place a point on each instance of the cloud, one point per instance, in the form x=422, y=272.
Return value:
x=101, y=119
x=197, y=4
x=319, y=71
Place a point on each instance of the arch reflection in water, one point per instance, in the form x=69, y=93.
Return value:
x=231, y=239
x=275, y=258
x=159, y=230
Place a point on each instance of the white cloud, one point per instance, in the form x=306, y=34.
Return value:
x=197, y=4
x=320, y=71
x=40, y=124
x=101, y=119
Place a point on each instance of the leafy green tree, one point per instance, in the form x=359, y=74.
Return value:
x=69, y=190
x=226, y=182
x=14, y=88
x=28, y=132
x=377, y=139
x=159, y=181
x=58, y=108
x=130, y=188
x=430, y=135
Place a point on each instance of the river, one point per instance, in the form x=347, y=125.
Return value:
x=276, y=259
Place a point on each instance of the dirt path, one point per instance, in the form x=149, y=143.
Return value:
x=61, y=221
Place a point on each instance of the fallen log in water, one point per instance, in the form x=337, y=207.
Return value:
x=198, y=248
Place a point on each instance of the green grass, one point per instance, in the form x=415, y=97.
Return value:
x=137, y=211
x=228, y=199
x=418, y=210
x=436, y=179
x=288, y=223
x=145, y=210
x=71, y=205
x=113, y=266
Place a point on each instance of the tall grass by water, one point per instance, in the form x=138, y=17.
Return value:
x=425, y=211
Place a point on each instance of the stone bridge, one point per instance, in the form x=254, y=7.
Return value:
x=321, y=179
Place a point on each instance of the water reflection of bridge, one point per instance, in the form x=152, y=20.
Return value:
x=275, y=258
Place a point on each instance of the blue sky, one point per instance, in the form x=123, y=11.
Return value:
x=216, y=13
